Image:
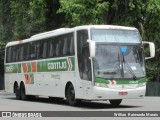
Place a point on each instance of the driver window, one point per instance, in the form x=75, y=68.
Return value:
x=83, y=55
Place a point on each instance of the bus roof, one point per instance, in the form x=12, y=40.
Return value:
x=67, y=30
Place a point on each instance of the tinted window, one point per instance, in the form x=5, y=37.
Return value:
x=32, y=51
x=13, y=54
x=84, y=63
x=66, y=46
x=44, y=55
x=25, y=51
x=71, y=47
x=51, y=47
x=58, y=48
x=39, y=49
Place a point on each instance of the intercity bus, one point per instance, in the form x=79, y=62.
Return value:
x=92, y=62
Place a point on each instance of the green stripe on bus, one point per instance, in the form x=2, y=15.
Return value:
x=66, y=64
x=19, y=68
x=141, y=80
x=11, y=68
x=29, y=67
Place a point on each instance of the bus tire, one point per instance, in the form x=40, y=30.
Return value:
x=23, y=92
x=115, y=103
x=70, y=96
x=17, y=92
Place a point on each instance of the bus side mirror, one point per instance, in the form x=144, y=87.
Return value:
x=92, y=48
x=151, y=49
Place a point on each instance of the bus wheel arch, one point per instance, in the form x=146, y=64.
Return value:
x=16, y=90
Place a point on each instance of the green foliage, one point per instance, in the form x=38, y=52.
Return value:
x=6, y=22
x=19, y=19
x=126, y=12
x=53, y=19
x=29, y=17
x=37, y=11
x=82, y=12
x=152, y=28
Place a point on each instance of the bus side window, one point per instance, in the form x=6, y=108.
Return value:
x=13, y=58
x=68, y=48
x=61, y=46
x=50, y=45
x=18, y=51
x=58, y=48
x=32, y=51
x=25, y=52
x=52, y=48
x=44, y=55
x=8, y=55
x=39, y=49
x=21, y=53
x=71, y=48
x=65, y=47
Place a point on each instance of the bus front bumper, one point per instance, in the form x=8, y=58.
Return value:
x=100, y=93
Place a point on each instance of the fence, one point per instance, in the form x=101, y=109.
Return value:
x=153, y=89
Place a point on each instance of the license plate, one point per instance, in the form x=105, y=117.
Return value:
x=123, y=93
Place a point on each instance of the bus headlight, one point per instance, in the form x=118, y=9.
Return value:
x=100, y=85
x=141, y=84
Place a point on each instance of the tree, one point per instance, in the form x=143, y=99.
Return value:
x=83, y=12
x=29, y=17
x=22, y=19
x=53, y=19
x=6, y=25
x=152, y=28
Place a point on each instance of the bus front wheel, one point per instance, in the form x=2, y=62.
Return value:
x=115, y=102
x=70, y=96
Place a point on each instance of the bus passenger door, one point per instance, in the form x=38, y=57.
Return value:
x=86, y=73
x=84, y=63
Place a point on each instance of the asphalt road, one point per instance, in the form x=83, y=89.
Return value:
x=8, y=102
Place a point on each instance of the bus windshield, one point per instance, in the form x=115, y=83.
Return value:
x=115, y=35
x=119, y=61
x=119, y=54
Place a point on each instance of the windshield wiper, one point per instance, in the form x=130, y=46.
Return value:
x=129, y=67
x=117, y=67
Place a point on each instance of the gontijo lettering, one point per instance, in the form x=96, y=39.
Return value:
x=57, y=65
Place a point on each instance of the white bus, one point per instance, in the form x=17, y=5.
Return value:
x=94, y=62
